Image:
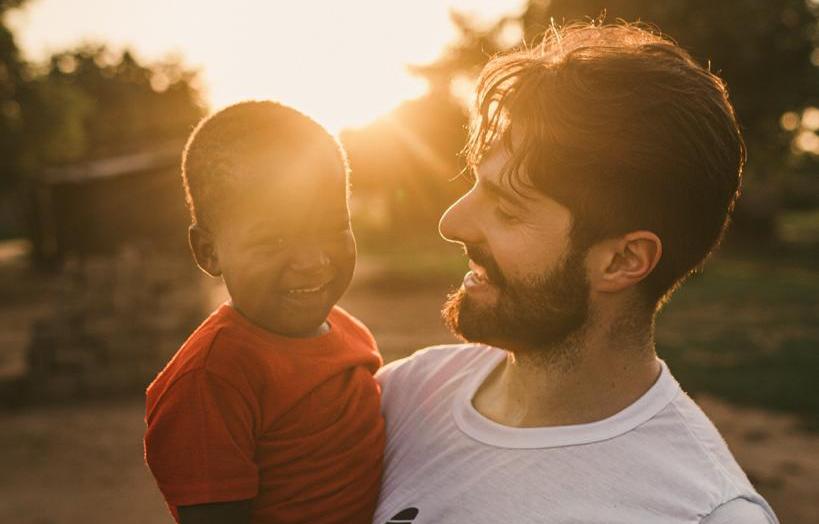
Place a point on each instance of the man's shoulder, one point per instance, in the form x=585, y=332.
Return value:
x=693, y=448
x=426, y=363
x=741, y=510
x=706, y=441
x=426, y=380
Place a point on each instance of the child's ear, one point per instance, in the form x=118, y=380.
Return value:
x=204, y=250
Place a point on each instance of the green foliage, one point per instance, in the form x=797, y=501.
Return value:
x=86, y=103
x=746, y=330
x=83, y=104
x=55, y=126
x=12, y=72
x=763, y=49
x=106, y=103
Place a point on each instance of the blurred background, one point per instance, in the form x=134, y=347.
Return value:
x=98, y=290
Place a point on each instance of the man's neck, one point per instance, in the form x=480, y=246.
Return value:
x=589, y=380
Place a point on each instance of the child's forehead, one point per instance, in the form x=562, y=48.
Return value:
x=277, y=176
x=289, y=194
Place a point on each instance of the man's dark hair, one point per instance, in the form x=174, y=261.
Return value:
x=222, y=148
x=624, y=128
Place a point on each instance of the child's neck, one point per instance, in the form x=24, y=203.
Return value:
x=323, y=329
x=320, y=330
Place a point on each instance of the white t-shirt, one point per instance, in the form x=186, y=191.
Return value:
x=660, y=460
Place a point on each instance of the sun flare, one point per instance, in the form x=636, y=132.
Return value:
x=343, y=63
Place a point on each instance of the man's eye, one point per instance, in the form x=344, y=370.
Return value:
x=333, y=231
x=504, y=216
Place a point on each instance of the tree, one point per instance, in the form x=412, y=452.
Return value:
x=82, y=104
x=91, y=102
x=12, y=82
x=406, y=161
x=766, y=51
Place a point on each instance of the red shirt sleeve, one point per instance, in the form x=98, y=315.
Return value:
x=200, y=441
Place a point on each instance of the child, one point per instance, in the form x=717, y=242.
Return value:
x=269, y=411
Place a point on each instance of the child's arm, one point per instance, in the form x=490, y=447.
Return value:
x=237, y=512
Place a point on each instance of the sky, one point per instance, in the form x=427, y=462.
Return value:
x=342, y=62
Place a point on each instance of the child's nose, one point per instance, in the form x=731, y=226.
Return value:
x=309, y=258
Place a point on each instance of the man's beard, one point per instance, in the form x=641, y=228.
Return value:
x=535, y=315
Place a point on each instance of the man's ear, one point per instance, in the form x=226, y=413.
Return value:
x=618, y=263
x=204, y=250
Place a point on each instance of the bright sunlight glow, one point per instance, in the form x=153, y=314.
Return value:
x=344, y=63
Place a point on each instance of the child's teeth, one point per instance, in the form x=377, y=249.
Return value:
x=305, y=290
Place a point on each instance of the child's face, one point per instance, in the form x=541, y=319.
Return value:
x=286, y=250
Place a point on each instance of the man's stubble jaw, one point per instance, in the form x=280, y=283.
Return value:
x=533, y=317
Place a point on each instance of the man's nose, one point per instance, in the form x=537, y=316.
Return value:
x=309, y=258
x=458, y=223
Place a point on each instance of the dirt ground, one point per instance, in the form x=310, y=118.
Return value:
x=82, y=463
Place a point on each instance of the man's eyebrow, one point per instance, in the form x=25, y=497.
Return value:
x=500, y=192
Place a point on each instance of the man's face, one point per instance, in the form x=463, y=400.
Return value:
x=527, y=287
x=286, y=249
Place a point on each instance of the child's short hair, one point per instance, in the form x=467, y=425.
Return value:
x=223, y=144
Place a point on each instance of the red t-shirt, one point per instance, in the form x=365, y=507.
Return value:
x=294, y=424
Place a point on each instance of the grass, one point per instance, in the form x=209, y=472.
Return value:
x=747, y=330
x=800, y=227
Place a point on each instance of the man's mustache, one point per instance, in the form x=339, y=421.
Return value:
x=482, y=257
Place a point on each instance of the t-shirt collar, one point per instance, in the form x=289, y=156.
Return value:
x=484, y=430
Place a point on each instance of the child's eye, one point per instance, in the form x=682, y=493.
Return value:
x=275, y=244
x=341, y=228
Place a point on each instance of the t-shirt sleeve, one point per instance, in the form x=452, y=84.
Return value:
x=739, y=511
x=403, y=374
x=384, y=374
x=200, y=442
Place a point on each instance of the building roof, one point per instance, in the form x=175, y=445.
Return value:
x=162, y=156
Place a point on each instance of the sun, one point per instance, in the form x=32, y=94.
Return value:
x=345, y=70
x=343, y=63
x=357, y=103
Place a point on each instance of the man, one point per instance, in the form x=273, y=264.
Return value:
x=606, y=164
